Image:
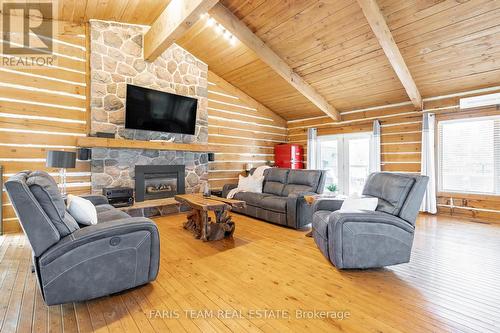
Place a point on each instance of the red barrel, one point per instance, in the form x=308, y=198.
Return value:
x=289, y=155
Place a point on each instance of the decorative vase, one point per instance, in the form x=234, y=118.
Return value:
x=206, y=190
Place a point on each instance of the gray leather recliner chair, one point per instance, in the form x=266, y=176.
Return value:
x=370, y=239
x=77, y=263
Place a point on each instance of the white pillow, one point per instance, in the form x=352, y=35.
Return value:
x=352, y=204
x=82, y=210
x=250, y=184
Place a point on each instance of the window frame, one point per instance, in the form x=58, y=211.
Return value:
x=343, y=155
x=438, y=147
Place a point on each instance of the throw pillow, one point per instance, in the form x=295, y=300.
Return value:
x=351, y=204
x=82, y=210
x=250, y=183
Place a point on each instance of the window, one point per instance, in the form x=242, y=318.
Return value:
x=359, y=163
x=469, y=155
x=328, y=159
x=347, y=158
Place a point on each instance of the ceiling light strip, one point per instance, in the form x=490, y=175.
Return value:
x=219, y=28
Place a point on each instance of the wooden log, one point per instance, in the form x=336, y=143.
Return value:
x=204, y=225
x=203, y=228
x=201, y=225
x=194, y=223
x=223, y=227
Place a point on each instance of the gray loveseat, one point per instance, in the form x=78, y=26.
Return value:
x=282, y=198
x=77, y=263
x=369, y=239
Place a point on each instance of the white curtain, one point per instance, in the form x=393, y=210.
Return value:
x=428, y=163
x=375, y=148
x=312, y=146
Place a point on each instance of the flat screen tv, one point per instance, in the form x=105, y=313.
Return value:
x=153, y=110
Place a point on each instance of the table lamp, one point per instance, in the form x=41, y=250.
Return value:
x=62, y=160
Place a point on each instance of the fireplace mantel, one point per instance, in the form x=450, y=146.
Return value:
x=94, y=142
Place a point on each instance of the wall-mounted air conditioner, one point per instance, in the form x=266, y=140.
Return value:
x=480, y=101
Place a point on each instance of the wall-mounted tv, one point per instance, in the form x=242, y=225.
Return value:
x=153, y=110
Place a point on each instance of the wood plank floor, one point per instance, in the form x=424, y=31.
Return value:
x=451, y=284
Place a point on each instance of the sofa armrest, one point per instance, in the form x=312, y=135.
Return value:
x=298, y=211
x=226, y=188
x=338, y=219
x=99, y=260
x=294, y=198
x=300, y=194
x=330, y=204
x=363, y=239
x=99, y=231
x=96, y=199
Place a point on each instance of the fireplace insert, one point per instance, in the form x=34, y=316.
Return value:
x=158, y=181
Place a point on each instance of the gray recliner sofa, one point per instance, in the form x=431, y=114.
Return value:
x=282, y=199
x=77, y=263
x=370, y=239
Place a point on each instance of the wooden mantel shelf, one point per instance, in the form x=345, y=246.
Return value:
x=151, y=203
x=94, y=142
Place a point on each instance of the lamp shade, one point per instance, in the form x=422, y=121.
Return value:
x=61, y=159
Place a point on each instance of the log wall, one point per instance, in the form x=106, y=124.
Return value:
x=44, y=109
x=244, y=130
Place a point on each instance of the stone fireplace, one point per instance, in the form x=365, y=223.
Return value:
x=116, y=60
x=114, y=167
x=158, y=181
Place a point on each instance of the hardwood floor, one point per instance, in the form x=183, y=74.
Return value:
x=451, y=284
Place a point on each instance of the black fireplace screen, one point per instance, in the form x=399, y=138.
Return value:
x=158, y=181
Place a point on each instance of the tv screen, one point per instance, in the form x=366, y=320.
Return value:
x=153, y=110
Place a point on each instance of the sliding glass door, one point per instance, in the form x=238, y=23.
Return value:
x=358, y=152
x=347, y=158
x=328, y=158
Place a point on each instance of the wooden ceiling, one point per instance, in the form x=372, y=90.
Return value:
x=329, y=44
x=448, y=45
x=129, y=11
x=242, y=68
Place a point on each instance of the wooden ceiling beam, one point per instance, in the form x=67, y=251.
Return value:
x=384, y=36
x=224, y=16
x=172, y=23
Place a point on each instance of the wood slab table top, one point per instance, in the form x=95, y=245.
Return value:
x=198, y=201
x=310, y=199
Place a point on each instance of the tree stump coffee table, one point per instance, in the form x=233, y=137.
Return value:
x=198, y=221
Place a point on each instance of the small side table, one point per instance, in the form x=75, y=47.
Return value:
x=310, y=199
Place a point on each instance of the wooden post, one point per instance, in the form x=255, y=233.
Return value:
x=88, y=116
x=204, y=225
